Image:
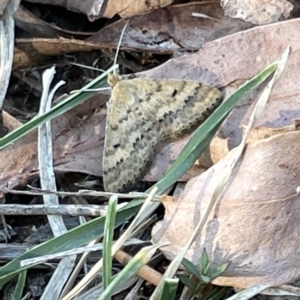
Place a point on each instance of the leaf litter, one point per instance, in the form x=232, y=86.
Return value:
x=269, y=202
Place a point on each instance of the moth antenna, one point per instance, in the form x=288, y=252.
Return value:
x=119, y=44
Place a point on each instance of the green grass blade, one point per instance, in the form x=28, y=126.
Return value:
x=202, y=136
x=74, y=238
x=108, y=239
x=219, y=114
x=191, y=268
x=204, y=262
x=20, y=286
x=169, y=289
x=135, y=264
x=69, y=103
x=186, y=281
x=217, y=293
x=95, y=228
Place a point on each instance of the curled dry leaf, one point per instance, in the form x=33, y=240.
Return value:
x=255, y=224
x=170, y=29
x=259, y=133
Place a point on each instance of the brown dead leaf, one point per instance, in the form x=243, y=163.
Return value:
x=255, y=225
x=31, y=51
x=257, y=11
x=77, y=139
x=235, y=59
x=172, y=28
x=129, y=8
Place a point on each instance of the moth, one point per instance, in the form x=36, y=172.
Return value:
x=142, y=116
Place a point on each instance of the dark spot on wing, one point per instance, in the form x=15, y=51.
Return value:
x=158, y=88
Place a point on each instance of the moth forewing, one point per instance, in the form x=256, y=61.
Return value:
x=143, y=115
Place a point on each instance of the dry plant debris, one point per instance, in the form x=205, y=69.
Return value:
x=255, y=225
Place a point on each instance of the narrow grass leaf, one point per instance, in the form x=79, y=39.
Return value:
x=135, y=264
x=108, y=240
x=74, y=238
x=199, y=141
x=229, y=103
x=203, y=135
x=19, y=289
x=69, y=103
x=116, y=246
x=191, y=267
x=218, y=271
x=169, y=289
x=186, y=281
x=204, y=261
x=217, y=293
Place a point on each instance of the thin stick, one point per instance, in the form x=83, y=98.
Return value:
x=119, y=44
